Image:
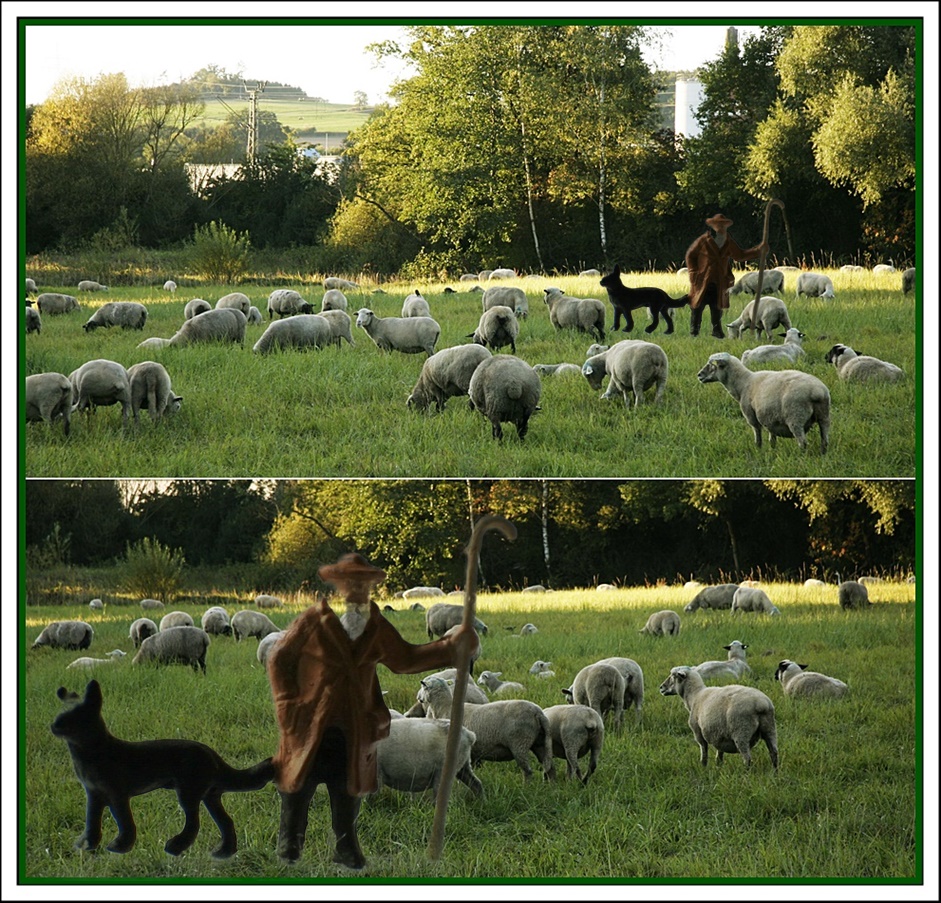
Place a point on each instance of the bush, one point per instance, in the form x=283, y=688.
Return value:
x=219, y=253
x=153, y=570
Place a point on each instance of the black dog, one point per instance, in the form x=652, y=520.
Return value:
x=113, y=770
x=625, y=299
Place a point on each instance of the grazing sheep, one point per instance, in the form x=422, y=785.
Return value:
x=497, y=327
x=415, y=306
x=751, y=598
x=601, y=687
x=343, y=284
x=263, y=600
x=506, y=296
x=101, y=382
x=49, y=397
x=528, y=630
x=634, y=366
x=140, y=630
x=502, y=273
x=908, y=281
x=411, y=757
x=56, y=303
x=215, y=620
x=505, y=389
x=96, y=605
x=633, y=683
x=334, y=299
x=556, y=369
x=662, y=623
x=442, y=616
x=853, y=594
x=33, y=321
x=773, y=315
x=491, y=680
x=862, y=368
x=771, y=281
x=472, y=693
x=286, y=302
x=790, y=351
x=89, y=285
x=265, y=645
x=235, y=301
x=504, y=730
x=719, y=596
x=851, y=268
x=814, y=285
x=796, y=680
x=422, y=592
x=591, y=271
x=185, y=645
x=784, y=402
x=169, y=286
x=735, y=665
x=468, y=277
x=883, y=268
x=222, y=324
x=126, y=314
x=730, y=719
x=151, y=604
x=194, y=307
x=583, y=314
x=813, y=581
x=65, y=635
x=542, y=669
x=447, y=373
x=254, y=315
x=341, y=326
x=150, y=390
x=410, y=335
x=484, y=275
x=176, y=619
x=625, y=299
x=300, y=331
x=248, y=623
x=31, y=285
x=576, y=731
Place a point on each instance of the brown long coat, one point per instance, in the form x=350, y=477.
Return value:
x=707, y=262
x=321, y=678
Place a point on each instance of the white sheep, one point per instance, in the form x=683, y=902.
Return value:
x=718, y=596
x=853, y=594
x=771, y=281
x=194, y=307
x=101, y=382
x=265, y=645
x=862, y=368
x=422, y=592
x=633, y=683
x=468, y=277
x=601, y=687
x=557, y=369
x=583, y=314
x=542, y=669
x=491, y=680
x=341, y=326
x=65, y=635
x=796, y=680
x=484, y=275
x=784, y=402
x=216, y=621
x=752, y=598
x=235, y=301
x=286, y=302
x=735, y=665
x=175, y=645
x=415, y=306
x=506, y=296
x=813, y=581
x=337, y=282
x=497, y=328
x=254, y=315
x=472, y=693
x=814, y=285
x=528, y=630
x=300, y=331
x=633, y=366
x=446, y=374
x=502, y=273
x=883, y=268
x=33, y=321
x=908, y=281
x=176, y=619
x=442, y=616
x=851, y=268
x=96, y=605
x=221, y=324
x=790, y=352
x=410, y=335
x=126, y=314
x=576, y=731
x=56, y=303
x=265, y=600
x=151, y=391
x=248, y=623
x=49, y=397
x=169, y=286
x=505, y=389
x=89, y=285
x=662, y=623
x=731, y=719
x=334, y=299
x=773, y=315
x=596, y=348
x=151, y=604
x=31, y=286
x=140, y=630
x=115, y=655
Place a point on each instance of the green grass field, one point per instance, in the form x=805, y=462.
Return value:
x=844, y=804
x=341, y=412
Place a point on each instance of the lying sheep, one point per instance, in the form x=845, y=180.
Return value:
x=504, y=730
x=410, y=335
x=852, y=594
x=235, y=301
x=33, y=321
x=194, y=307
x=101, y=383
x=96, y=605
x=534, y=588
x=491, y=680
x=301, y=331
x=343, y=284
x=248, y=623
x=557, y=369
x=222, y=324
x=140, y=630
x=662, y=623
x=411, y=757
x=600, y=687
x=796, y=680
x=735, y=665
x=151, y=391
x=422, y=592
x=773, y=313
x=542, y=669
x=719, y=596
x=813, y=581
x=415, y=306
x=442, y=616
x=115, y=655
x=633, y=366
x=49, y=397
x=176, y=645
x=151, y=604
x=883, y=268
x=446, y=374
x=751, y=598
x=908, y=281
x=89, y=285
x=576, y=731
x=862, y=368
x=730, y=719
x=176, y=619
x=286, y=302
x=814, y=285
x=505, y=389
x=583, y=314
x=497, y=328
x=784, y=402
x=215, y=620
x=506, y=296
x=126, y=314
x=65, y=635
x=633, y=683
x=265, y=645
x=771, y=281
x=56, y=303
x=169, y=286
x=334, y=299
x=264, y=600
x=790, y=352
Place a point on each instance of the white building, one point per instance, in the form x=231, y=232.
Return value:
x=689, y=97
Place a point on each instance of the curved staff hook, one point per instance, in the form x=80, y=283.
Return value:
x=774, y=202
x=485, y=524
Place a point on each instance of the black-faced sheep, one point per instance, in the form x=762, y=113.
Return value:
x=175, y=645
x=862, y=368
x=33, y=321
x=334, y=299
x=101, y=383
x=151, y=391
x=796, y=680
x=65, y=635
x=409, y=335
x=215, y=620
x=286, y=302
x=505, y=390
x=446, y=374
x=49, y=397
x=583, y=314
x=140, y=630
x=126, y=314
x=194, y=307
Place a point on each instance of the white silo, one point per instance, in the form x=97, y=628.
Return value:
x=689, y=96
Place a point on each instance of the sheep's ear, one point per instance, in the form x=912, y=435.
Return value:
x=802, y=667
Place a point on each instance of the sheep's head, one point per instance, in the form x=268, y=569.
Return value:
x=675, y=684
x=594, y=370
x=716, y=369
x=837, y=351
x=735, y=644
x=786, y=665
x=364, y=316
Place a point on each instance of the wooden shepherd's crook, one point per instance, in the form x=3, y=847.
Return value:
x=761, y=261
x=484, y=525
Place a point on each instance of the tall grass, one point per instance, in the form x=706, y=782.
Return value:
x=843, y=805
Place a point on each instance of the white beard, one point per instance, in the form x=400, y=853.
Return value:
x=354, y=620
x=720, y=239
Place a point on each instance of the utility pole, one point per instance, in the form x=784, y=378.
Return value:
x=252, y=149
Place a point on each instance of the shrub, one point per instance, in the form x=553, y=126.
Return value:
x=219, y=253
x=153, y=570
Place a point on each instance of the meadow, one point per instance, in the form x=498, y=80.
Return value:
x=341, y=412
x=844, y=805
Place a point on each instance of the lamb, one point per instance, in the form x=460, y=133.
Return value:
x=65, y=635
x=719, y=596
x=286, y=302
x=334, y=299
x=447, y=373
x=411, y=757
x=343, y=284
x=33, y=321
x=415, y=306
x=497, y=327
x=301, y=331
x=442, y=616
x=771, y=281
x=908, y=281
x=556, y=369
x=790, y=351
x=264, y=600
x=596, y=348
x=473, y=695
x=542, y=669
x=176, y=645
x=56, y=303
x=176, y=619
x=634, y=366
x=248, y=623
x=215, y=621
x=583, y=314
x=101, y=382
x=235, y=301
x=151, y=604
x=505, y=390
x=169, y=286
x=735, y=666
x=773, y=315
x=730, y=719
x=504, y=730
x=576, y=731
x=265, y=645
x=194, y=307
x=86, y=661
x=254, y=315
x=862, y=368
x=89, y=285
x=126, y=314
x=506, y=296
x=784, y=402
x=140, y=630
x=624, y=299
x=852, y=594
x=222, y=324
x=601, y=687
x=410, y=335
x=662, y=623
x=150, y=390
x=49, y=397
x=751, y=598
x=491, y=680
x=633, y=683
x=814, y=285
x=796, y=680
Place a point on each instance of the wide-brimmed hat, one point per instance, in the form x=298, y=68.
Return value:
x=351, y=568
x=720, y=219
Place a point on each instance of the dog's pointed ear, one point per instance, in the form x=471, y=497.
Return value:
x=93, y=693
x=63, y=694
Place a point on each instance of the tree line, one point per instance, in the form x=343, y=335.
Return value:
x=533, y=146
